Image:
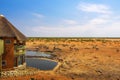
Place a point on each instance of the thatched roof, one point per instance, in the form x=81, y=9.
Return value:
x=8, y=30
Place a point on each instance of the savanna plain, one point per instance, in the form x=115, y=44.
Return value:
x=78, y=58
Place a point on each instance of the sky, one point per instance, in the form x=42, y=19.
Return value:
x=64, y=18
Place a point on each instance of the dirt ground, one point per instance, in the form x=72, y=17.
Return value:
x=81, y=59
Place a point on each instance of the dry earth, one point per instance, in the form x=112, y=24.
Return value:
x=81, y=59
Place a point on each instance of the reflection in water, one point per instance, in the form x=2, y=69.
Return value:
x=34, y=53
x=40, y=63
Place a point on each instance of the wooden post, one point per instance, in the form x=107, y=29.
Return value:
x=0, y=65
x=1, y=52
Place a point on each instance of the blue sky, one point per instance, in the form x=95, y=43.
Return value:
x=64, y=18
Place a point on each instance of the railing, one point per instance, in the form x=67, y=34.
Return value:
x=19, y=49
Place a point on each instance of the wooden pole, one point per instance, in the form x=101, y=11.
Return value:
x=0, y=65
x=1, y=52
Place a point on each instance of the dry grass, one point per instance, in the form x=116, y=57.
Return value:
x=83, y=59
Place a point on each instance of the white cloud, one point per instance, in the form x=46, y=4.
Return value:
x=97, y=8
x=68, y=21
x=87, y=30
x=102, y=25
x=38, y=15
x=100, y=20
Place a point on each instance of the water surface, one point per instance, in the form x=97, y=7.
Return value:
x=41, y=64
x=35, y=53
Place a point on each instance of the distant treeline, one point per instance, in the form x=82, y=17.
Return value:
x=73, y=38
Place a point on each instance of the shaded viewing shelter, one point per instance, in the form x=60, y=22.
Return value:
x=12, y=46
